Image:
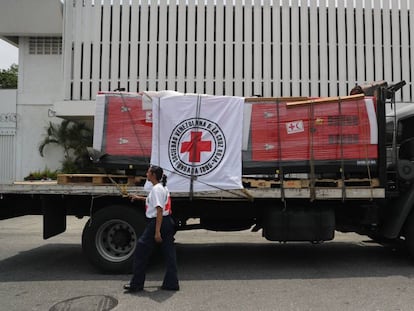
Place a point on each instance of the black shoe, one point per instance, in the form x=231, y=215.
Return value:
x=173, y=288
x=132, y=289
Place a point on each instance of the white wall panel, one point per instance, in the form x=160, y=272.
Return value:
x=162, y=46
x=134, y=49
x=220, y=46
x=350, y=60
x=359, y=47
x=114, y=45
x=386, y=28
x=238, y=78
x=210, y=47
x=248, y=31
x=86, y=51
x=323, y=28
x=96, y=16
x=77, y=51
x=69, y=38
x=396, y=42
x=257, y=48
x=304, y=52
x=286, y=57
x=143, y=47
x=200, y=48
x=277, y=43
x=229, y=47
x=314, y=49
x=124, y=45
x=191, y=48
x=8, y=156
x=267, y=47
x=369, y=43
x=411, y=65
x=8, y=127
x=378, y=59
x=181, y=45
x=405, y=49
x=105, y=46
x=336, y=49
x=152, y=46
x=295, y=56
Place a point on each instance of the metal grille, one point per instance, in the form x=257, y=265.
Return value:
x=7, y=159
x=244, y=48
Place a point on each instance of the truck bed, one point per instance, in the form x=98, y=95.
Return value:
x=250, y=193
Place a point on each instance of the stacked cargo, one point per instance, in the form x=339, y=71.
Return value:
x=324, y=135
x=315, y=136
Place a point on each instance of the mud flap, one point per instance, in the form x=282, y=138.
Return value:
x=54, y=216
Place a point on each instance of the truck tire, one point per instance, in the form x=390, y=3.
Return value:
x=109, y=238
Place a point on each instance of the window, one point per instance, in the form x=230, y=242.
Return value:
x=405, y=129
x=45, y=45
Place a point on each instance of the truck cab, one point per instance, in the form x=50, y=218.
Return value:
x=400, y=142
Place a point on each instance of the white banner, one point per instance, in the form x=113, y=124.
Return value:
x=197, y=140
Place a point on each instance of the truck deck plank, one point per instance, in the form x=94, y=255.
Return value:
x=240, y=194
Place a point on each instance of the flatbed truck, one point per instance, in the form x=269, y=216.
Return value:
x=283, y=209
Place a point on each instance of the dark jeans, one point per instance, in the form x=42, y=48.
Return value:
x=144, y=249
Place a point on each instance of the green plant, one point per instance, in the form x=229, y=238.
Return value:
x=8, y=77
x=73, y=137
x=46, y=174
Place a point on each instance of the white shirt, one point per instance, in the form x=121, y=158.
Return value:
x=159, y=196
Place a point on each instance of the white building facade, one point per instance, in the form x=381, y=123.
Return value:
x=69, y=51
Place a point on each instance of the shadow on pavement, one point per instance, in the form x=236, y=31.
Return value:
x=222, y=261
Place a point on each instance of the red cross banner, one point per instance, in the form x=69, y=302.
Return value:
x=197, y=140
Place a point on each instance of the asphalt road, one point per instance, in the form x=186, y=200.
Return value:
x=217, y=271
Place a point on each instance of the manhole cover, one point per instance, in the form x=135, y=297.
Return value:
x=86, y=303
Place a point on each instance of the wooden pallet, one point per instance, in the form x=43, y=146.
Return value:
x=262, y=183
x=103, y=179
x=99, y=179
x=307, y=183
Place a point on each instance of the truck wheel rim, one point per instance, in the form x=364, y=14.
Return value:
x=116, y=240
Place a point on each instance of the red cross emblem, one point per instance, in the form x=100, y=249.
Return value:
x=195, y=147
x=294, y=127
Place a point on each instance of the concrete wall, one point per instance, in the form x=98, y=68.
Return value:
x=8, y=123
x=40, y=85
x=28, y=17
x=7, y=105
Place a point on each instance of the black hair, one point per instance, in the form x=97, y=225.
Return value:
x=159, y=174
